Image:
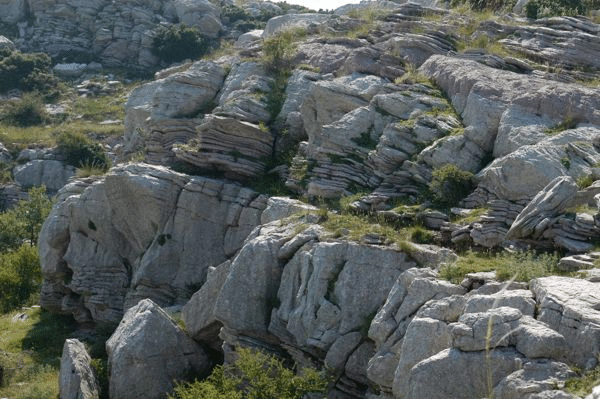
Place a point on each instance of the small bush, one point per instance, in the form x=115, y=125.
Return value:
x=422, y=236
x=20, y=276
x=80, y=151
x=280, y=49
x=25, y=71
x=551, y=8
x=254, y=375
x=24, y=221
x=585, y=181
x=28, y=111
x=450, y=184
x=179, y=42
x=234, y=13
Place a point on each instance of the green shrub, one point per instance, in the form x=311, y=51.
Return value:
x=179, y=42
x=234, y=13
x=254, y=375
x=422, y=236
x=24, y=221
x=25, y=71
x=280, y=49
x=80, y=151
x=28, y=111
x=20, y=276
x=449, y=185
x=550, y=8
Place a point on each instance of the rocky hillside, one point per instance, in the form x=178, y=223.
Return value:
x=405, y=195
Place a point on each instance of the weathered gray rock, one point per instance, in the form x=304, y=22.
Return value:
x=461, y=374
x=577, y=262
x=482, y=95
x=595, y=393
x=569, y=306
x=198, y=314
x=139, y=232
x=554, y=36
x=524, y=172
x=13, y=11
x=379, y=5
x=282, y=207
x=71, y=70
x=148, y=352
x=293, y=21
x=398, y=341
x=77, y=379
x=424, y=338
x=117, y=33
x=513, y=298
x=557, y=196
x=536, y=377
x=201, y=14
x=176, y=95
x=239, y=150
x=50, y=173
x=328, y=101
x=240, y=97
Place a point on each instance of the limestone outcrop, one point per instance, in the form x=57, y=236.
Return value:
x=116, y=33
x=136, y=233
x=377, y=114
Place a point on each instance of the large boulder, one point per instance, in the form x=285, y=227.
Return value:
x=139, y=232
x=77, y=379
x=461, y=375
x=554, y=199
x=569, y=306
x=201, y=14
x=50, y=173
x=148, y=353
x=521, y=174
x=239, y=150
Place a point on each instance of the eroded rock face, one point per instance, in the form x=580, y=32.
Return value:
x=139, y=232
x=569, y=306
x=491, y=100
x=148, y=352
x=118, y=33
x=154, y=111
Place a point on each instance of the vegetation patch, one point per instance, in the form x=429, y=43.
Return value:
x=520, y=266
x=25, y=112
x=179, y=42
x=365, y=140
x=584, y=383
x=449, y=185
x=254, y=375
x=31, y=347
x=566, y=124
x=25, y=71
x=81, y=151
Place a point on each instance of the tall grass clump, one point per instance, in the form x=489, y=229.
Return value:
x=519, y=266
x=25, y=112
